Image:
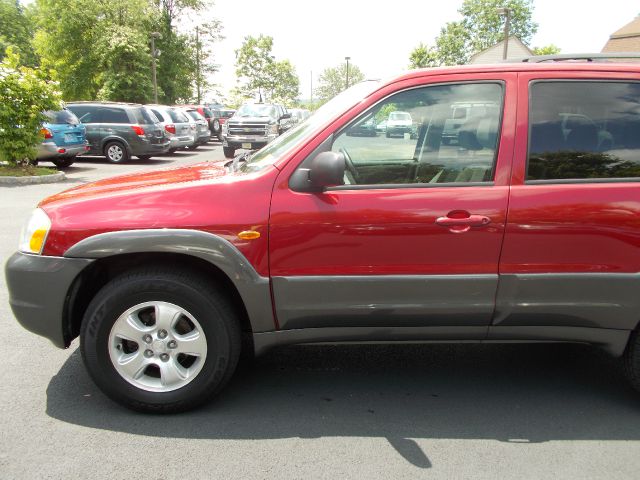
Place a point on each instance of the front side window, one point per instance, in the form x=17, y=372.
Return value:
x=85, y=113
x=429, y=135
x=61, y=117
x=580, y=130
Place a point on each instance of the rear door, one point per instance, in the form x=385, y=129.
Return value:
x=413, y=237
x=571, y=250
x=89, y=115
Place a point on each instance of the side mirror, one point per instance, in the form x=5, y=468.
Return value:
x=325, y=170
x=286, y=115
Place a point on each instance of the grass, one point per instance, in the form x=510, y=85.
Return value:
x=28, y=171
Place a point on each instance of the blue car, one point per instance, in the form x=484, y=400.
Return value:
x=64, y=138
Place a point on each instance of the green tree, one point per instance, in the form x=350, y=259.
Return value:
x=97, y=48
x=423, y=56
x=546, y=50
x=16, y=30
x=259, y=74
x=333, y=80
x=24, y=97
x=481, y=27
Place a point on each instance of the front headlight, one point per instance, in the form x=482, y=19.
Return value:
x=34, y=234
x=272, y=129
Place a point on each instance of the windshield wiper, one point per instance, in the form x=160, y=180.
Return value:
x=234, y=164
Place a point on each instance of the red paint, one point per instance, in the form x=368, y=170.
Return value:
x=589, y=227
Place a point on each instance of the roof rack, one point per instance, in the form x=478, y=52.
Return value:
x=102, y=102
x=588, y=57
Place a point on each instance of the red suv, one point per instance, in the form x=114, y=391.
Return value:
x=526, y=228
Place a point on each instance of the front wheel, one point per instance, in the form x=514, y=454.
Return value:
x=160, y=341
x=229, y=152
x=144, y=157
x=194, y=146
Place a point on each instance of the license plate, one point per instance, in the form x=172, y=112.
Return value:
x=69, y=137
x=246, y=146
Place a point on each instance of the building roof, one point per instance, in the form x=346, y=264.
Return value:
x=515, y=49
x=626, y=39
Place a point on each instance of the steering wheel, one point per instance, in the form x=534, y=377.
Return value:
x=350, y=169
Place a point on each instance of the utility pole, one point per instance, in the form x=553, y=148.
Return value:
x=347, y=59
x=154, y=55
x=506, y=12
x=198, y=63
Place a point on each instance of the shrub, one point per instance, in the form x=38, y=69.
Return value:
x=24, y=97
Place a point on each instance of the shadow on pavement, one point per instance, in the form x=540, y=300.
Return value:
x=508, y=393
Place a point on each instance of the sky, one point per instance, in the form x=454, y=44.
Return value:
x=379, y=36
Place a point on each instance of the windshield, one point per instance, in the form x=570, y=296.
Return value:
x=61, y=117
x=307, y=129
x=252, y=110
x=400, y=116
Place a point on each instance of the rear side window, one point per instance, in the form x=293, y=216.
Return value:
x=195, y=115
x=113, y=115
x=584, y=130
x=158, y=115
x=85, y=113
x=61, y=117
x=144, y=116
x=177, y=116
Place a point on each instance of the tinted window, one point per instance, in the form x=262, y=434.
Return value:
x=582, y=130
x=61, y=117
x=207, y=112
x=195, y=115
x=413, y=138
x=158, y=115
x=177, y=116
x=144, y=116
x=85, y=113
x=113, y=115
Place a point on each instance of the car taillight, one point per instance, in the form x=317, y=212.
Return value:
x=171, y=128
x=138, y=129
x=46, y=133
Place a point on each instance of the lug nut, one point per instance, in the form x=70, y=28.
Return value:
x=147, y=338
x=172, y=344
x=164, y=357
x=162, y=334
x=148, y=353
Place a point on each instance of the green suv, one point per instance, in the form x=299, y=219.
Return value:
x=120, y=130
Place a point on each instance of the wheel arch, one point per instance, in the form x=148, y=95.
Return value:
x=207, y=254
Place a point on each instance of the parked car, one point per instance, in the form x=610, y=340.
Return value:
x=200, y=127
x=399, y=123
x=64, y=138
x=121, y=130
x=253, y=126
x=177, y=127
x=517, y=235
x=206, y=112
x=364, y=129
x=381, y=127
x=299, y=115
x=220, y=116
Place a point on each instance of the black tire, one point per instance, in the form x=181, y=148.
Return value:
x=229, y=152
x=144, y=157
x=388, y=135
x=116, y=152
x=219, y=136
x=63, y=162
x=191, y=292
x=172, y=150
x=194, y=146
x=632, y=360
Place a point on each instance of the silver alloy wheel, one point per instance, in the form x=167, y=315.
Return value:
x=157, y=346
x=115, y=153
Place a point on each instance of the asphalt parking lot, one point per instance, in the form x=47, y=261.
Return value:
x=404, y=411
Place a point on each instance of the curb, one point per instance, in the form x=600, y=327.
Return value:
x=56, y=177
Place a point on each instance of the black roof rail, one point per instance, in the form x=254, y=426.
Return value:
x=587, y=57
x=102, y=102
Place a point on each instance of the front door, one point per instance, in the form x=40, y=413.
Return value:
x=413, y=237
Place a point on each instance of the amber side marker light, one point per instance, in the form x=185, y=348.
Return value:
x=249, y=235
